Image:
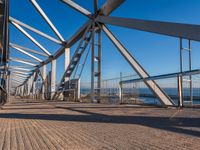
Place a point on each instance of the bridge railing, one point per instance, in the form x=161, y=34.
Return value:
x=132, y=89
x=186, y=95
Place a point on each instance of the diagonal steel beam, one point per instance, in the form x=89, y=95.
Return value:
x=109, y=6
x=23, y=66
x=26, y=53
x=77, y=7
x=31, y=38
x=21, y=69
x=29, y=50
x=95, y=6
x=34, y=30
x=20, y=72
x=164, y=98
x=74, y=56
x=20, y=75
x=17, y=79
x=187, y=31
x=77, y=35
x=27, y=60
x=14, y=80
x=22, y=61
x=18, y=68
x=72, y=40
x=42, y=13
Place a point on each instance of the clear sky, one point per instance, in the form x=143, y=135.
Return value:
x=158, y=54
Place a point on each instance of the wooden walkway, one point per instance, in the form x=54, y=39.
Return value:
x=62, y=125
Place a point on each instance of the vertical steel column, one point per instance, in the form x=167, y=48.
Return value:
x=53, y=77
x=67, y=62
x=78, y=90
x=67, y=58
x=120, y=89
x=180, y=91
x=23, y=89
x=99, y=64
x=96, y=65
x=29, y=86
x=33, y=92
x=16, y=92
x=92, y=63
x=20, y=90
x=8, y=87
x=190, y=68
x=44, y=79
x=180, y=78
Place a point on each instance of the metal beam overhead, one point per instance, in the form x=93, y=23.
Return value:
x=20, y=75
x=42, y=13
x=13, y=69
x=77, y=35
x=29, y=50
x=109, y=6
x=187, y=31
x=18, y=68
x=95, y=7
x=31, y=38
x=35, y=30
x=77, y=7
x=20, y=72
x=26, y=53
x=23, y=66
x=21, y=61
x=15, y=80
x=17, y=77
x=164, y=99
x=27, y=60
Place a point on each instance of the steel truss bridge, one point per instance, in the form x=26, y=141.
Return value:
x=20, y=80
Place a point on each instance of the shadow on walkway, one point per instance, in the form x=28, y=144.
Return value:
x=176, y=124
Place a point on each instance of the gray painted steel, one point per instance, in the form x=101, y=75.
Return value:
x=77, y=7
x=164, y=99
x=187, y=31
x=51, y=25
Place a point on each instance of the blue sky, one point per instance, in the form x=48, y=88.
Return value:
x=158, y=54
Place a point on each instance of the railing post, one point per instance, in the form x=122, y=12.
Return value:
x=53, y=77
x=33, y=92
x=120, y=89
x=120, y=93
x=44, y=79
x=190, y=68
x=180, y=91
